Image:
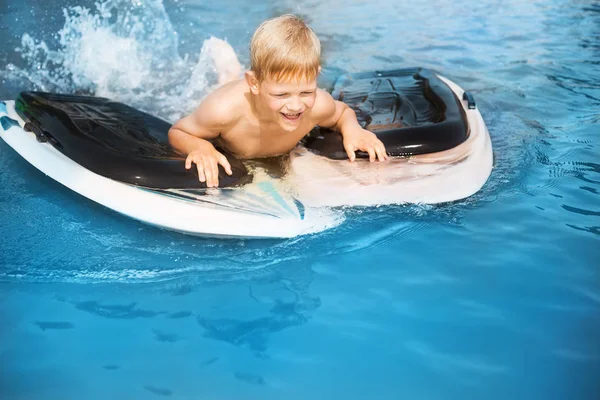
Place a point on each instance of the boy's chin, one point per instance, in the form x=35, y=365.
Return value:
x=287, y=127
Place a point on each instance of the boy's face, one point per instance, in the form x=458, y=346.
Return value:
x=288, y=101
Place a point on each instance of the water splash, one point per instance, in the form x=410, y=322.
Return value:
x=126, y=50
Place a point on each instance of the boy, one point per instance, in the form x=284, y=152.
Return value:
x=272, y=108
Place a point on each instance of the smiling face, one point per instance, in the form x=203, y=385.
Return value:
x=286, y=102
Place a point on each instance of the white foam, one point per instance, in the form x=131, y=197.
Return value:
x=126, y=50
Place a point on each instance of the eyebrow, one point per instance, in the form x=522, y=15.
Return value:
x=284, y=92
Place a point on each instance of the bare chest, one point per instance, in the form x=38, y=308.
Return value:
x=250, y=138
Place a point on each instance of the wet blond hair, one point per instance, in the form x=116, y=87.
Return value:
x=285, y=49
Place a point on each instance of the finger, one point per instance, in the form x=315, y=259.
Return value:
x=188, y=162
x=350, y=150
x=387, y=156
x=384, y=151
x=214, y=166
x=207, y=172
x=201, y=175
x=223, y=161
x=371, y=152
x=380, y=153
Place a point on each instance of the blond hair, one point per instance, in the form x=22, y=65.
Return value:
x=284, y=49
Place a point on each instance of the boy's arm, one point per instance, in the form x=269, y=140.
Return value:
x=190, y=136
x=340, y=117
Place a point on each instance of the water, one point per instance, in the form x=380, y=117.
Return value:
x=496, y=296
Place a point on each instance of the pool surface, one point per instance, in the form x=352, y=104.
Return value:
x=493, y=297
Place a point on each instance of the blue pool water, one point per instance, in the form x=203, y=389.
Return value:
x=493, y=297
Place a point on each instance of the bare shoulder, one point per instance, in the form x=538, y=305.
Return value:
x=324, y=105
x=223, y=106
x=326, y=110
x=217, y=113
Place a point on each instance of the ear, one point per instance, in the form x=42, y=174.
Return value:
x=252, y=81
x=319, y=73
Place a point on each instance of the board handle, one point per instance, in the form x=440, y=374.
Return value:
x=41, y=135
x=470, y=100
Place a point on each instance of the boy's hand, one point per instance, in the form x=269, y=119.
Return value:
x=207, y=159
x=363, y=140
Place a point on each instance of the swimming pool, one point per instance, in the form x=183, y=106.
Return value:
x=491, y=297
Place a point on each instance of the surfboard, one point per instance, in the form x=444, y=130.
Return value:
x=119, y=157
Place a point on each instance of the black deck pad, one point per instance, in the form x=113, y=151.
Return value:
x=411, y=111
x=115, y=141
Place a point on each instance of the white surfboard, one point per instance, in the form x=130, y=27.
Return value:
x=299, y=203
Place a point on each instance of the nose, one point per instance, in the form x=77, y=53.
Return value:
x=295, y=104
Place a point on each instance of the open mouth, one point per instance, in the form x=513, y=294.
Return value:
x=292, y=117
